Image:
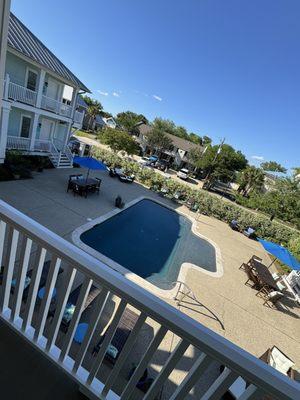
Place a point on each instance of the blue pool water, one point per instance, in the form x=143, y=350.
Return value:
x=152, y=241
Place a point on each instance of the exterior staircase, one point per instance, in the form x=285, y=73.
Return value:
x=61, y=158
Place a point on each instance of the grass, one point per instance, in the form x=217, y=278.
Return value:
x=85, y=134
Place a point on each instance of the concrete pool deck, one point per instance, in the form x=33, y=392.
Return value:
x=227, y=305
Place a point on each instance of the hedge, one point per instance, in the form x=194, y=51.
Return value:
x=207, y=203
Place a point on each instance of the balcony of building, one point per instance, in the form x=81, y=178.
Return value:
x=181, y=355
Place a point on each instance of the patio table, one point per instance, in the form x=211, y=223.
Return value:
x=264, y=275
x=83, y=182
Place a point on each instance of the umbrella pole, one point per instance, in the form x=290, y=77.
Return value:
x=275, y=259
x=87, y=175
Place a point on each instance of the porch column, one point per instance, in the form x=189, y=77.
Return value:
x=74, y=102
x=4, y=19
x=69, y=130
x=34, y=130
x=3, y=130
x=40, y=88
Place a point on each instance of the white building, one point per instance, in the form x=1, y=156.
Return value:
x=40, y=96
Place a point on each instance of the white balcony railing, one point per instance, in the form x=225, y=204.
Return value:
x=42, y=145
x=21, y=236
x=56, y=106
x=18, y=143
x=21, y=93
x=78, y=117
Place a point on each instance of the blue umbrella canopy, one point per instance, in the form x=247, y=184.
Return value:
x=90, y=163
x=281, y=253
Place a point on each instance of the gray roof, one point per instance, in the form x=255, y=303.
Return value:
x=22, y=40
x=99, y=120
x=177, y=141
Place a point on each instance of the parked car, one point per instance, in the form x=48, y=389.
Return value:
x=162, y=165
x=183, y=174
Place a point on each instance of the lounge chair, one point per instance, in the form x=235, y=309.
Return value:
x=250, y=233
x=120, y=337
x=71, y=304
x=273, y=357
x=43, y=279
x=234, y=225
x=278, y=360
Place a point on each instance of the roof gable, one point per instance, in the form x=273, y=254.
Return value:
x=177, y=141
x=21, y=39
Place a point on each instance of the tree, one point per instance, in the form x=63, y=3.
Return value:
x=129, y=120
x=193, y=137
x=94, y=108
x=158, y=141
x=273, y=166
x=164, y=126
x=218, y=163
x=119, y=140
x=251, y=179
x=296, y=173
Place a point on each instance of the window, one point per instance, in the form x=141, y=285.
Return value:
x=31, y=80
x=25, y=126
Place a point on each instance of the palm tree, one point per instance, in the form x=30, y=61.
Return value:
x=94, y=108
x=251, y=179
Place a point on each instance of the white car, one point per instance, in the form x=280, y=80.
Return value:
x=183, y=173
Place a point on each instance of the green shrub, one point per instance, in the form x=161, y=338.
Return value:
x=5, y=173
x=208, y=203
x=294, y=246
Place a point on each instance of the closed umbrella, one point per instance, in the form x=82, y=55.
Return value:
x=281, y=253
x=90, y=163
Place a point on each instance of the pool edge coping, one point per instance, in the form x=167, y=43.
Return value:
x=184, y=269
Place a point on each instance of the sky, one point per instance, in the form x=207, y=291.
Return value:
x=219, y=68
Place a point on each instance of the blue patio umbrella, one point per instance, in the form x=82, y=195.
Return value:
x=281, y=253
x=89, y=163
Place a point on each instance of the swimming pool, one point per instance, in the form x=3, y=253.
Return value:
x=150, y=240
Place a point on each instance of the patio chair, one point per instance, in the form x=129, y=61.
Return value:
x=96, y=188
x=126, y=324
x=72, y=180
x=250, y=262
x=278, y=360
x=80, y=190
x=272, y=297
x=252, y=280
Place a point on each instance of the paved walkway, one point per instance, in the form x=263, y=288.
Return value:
x=228, y=306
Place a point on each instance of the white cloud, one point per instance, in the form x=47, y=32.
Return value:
x=102, y=93
x=116, y=94
x=156, y=97
x=259, y=158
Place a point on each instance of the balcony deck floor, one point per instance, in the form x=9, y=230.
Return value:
x=27, y=374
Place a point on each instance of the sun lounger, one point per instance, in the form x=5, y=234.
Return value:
x=122, y=333
x=278, y=360
x=42, y=282
x=71, y=305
